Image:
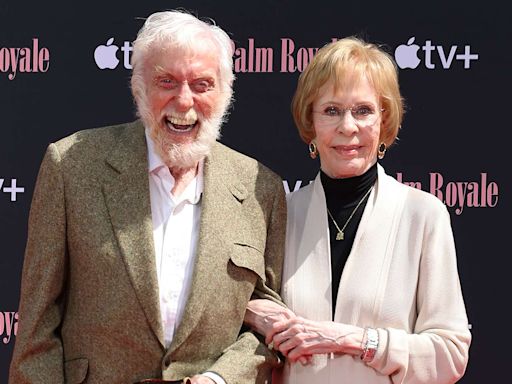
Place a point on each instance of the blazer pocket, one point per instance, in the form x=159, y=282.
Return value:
x=248, y=257
x=76, y=370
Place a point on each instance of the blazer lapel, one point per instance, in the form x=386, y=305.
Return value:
x=127, y=198
x=311, y=259
x=220, y=222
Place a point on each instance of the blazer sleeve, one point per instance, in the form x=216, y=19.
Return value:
x=249, y=361
x=437, y=350
x=274, y=249
x=38, y=353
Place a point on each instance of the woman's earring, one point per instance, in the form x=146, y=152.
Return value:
x=382, y=151
x=313, y=151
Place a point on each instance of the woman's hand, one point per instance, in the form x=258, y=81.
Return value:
x=262, y=314
x=298, y=337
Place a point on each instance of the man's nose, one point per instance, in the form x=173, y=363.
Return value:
x=185, y=97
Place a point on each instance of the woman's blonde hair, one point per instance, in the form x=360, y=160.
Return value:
x=343, y=61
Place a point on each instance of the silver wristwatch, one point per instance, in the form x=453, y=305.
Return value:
x=371, y=344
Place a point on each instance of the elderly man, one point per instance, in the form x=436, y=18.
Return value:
x=146, y=240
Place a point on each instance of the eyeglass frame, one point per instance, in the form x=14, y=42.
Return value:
x=342, y=112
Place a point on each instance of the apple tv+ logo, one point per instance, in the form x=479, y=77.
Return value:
x=406, y=55
x=105, y=56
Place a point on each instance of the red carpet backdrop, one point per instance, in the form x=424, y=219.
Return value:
x=66, y=68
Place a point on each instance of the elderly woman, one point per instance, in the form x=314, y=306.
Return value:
x=370, y=274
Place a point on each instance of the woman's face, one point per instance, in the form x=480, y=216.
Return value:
x=347, y=126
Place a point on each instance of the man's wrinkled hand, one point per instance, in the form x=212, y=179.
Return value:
x=261, y=315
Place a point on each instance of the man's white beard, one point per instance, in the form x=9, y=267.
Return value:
x=182, y=155
x=186, y=155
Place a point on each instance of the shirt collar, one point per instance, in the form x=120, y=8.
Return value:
x=193, y=191
x=154, y=159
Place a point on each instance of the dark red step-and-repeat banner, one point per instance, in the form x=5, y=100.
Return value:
x=65, y=68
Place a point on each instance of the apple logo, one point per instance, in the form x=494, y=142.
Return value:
x=406, y=56
x=105, y=55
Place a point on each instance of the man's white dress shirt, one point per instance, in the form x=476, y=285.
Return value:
x=175, y=235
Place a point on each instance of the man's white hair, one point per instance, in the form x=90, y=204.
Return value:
x=177, y=29
x=182, y=31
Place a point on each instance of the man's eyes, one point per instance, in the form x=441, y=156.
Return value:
x=167, y=83
x=199, y=86
x=202, y=85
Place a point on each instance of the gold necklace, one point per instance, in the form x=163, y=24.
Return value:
x=341, y=234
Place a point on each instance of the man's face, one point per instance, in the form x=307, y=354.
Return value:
x=184, y=100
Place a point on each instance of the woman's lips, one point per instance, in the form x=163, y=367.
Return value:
x=347, y=149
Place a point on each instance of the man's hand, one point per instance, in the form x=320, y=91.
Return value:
x=262, y=314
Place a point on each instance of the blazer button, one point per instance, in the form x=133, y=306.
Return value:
x=167, y=362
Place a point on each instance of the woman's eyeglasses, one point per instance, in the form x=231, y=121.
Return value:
x=332, y=116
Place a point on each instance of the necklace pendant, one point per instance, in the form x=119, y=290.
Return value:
x=340, y=236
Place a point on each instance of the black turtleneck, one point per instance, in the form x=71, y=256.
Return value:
x=342, y=196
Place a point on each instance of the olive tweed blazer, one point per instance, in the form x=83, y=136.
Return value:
x=89, y=308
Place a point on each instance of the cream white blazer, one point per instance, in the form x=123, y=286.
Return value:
x=400, y=277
